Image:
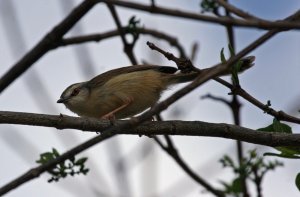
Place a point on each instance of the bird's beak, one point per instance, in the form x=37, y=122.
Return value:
x=62, y=100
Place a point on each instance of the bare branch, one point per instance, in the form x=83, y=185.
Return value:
x=45, y=44
x=128, y=48
x=188, y=128
x=262, y=24
x=237, y=11
x=109, y=34
x=280, y=115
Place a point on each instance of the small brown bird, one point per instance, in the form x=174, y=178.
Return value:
x=124, y=92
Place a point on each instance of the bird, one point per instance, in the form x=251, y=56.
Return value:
x=124, y=92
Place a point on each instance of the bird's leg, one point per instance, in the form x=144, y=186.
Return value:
x=111, y=115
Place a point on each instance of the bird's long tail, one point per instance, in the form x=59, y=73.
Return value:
x=247, y=62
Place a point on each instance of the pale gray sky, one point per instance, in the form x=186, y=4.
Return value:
x=275, y=77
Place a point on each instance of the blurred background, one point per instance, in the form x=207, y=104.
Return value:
x=132, y=165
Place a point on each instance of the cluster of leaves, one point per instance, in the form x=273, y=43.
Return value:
x=252, y=168
x=62, y=170
x=285, y=152
x=132, y=28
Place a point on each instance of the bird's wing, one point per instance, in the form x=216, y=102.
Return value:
x=106, y=76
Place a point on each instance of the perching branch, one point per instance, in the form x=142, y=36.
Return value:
x=187, y=128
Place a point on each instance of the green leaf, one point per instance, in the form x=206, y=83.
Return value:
x=65, y=168
x=277, y=126
x=81, y=161
x=236, y=185
x=55, y=152
x=297, y=181
x=222, y=56
x=280, y=127
x=286, y=152
x=234, y=73
x=45, y=157
x=248, y=168
x=85, y=171
x=231, y=50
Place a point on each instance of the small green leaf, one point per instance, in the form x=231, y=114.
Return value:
x=132, y=28
x=289, y=151
x=231, y=50
x=277, y=126
x=297, y=181
x=65, y=168
x=252, y=167
x=85, y=171
x=81, y=161
x=236, y=185
x=222, y=56
x=281, y=127
x=234, y=73
x=286, y=152
x=55, y=152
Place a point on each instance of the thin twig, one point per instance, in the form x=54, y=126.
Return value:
x=216, y=98
x=109, y=34
x=128, y=48
x=280, y=115
x=235, y=107
x=231, y=8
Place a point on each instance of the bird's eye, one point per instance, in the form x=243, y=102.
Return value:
x=75, y=92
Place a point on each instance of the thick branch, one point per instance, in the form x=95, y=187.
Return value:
x=187, y=128
x=45, y=44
